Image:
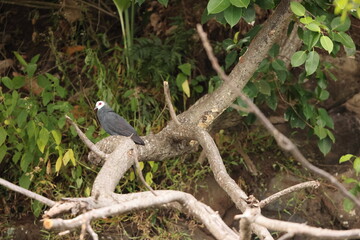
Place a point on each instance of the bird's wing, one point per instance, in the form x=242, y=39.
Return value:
x=118, y=125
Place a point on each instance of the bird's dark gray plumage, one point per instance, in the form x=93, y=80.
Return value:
x=113, y=124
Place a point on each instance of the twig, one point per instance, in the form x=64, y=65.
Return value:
x=284, y=142
x=297, y=187
x=84, y=138
x=249, y=163
x=139, y=173
x=26, y=192
x=286, y=236
x=169, y=104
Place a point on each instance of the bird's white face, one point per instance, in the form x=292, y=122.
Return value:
x=99, y=104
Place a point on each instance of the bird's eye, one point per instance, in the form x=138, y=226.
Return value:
x=100, y=104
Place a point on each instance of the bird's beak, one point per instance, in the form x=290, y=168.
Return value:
x=95, y=108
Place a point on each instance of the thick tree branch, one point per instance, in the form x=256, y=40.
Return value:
x=26, y=192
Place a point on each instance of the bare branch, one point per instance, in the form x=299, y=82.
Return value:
x=297, y=228
x=84, y=138
x=139, y=173
x=26, y=192
x=144, y=200
x=297, y=187
x=169, y=104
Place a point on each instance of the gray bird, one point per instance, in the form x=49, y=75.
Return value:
x=113, y=124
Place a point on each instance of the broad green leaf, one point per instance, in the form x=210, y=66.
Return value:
x=36, y=207
x=313, y=27
x=18, y=81
x=323, y=95
x=8, y=83
x=312, y=62
x=278, y=65
x=164, y=2
x=308, y=110
x=26, y=159
x=149, y=178
x=263, y=87
x=24, y=181
x=185, y=68
x=345, y=39
x=310, y=38
x=298, y=58
x=320, y=132
x=21, y=118
x=326, y=43
x=58, y=164
x=249, y=17
x=30, y=69
x=3, y=150
x=16, y=157
x=325, y=145
x=232, y=15
x=35, y=58
x=338, y=25
x=326, y=118
x=297, y=8
x=230, y=59
x=356, y=165
x=57, y=136
x=43, y=139
x=46, y=97
x=265, y=4
x=272, y=102
x=132, y=176
x=330, y=135
x=3, y=135
x=240, y=3
x=282, y=75
x=185, y=87
x=216, y=6
x=274, y=51
x=306, y=20
x=180, y=78
x=348, y=205
x=31, y=129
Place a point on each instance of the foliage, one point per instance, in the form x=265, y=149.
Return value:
x=355, y=190
x=32, y=141
x=272, y=82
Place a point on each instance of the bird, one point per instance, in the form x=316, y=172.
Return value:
x=114, y=124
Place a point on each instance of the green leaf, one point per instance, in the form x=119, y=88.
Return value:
x=338, y=25
x=149, y=178
x=310, y=38
x=16, y=157
x=282, y=75
x=356, y=165
x=271, y=101
x=240, y=3
x=326, y=118
x=308, y=110
x=21, y=118
x=297, y=8
x=298, y=58
x=325, y=145
x=306, y=20
x=3, y=150
x=36, y=207
x=35, y=58
x=20, y=59
x=185, y=87
x=46, y=97
x=263, y=87
x=216, y=6
x=31, y=129
x=8, y=83
x=323, y=95
x=26, y=159
x=123, y=4
x=233, y=15
x=312, y=62
x=278, y=65
x=265, y=4
x=230, y=59
x=320, y=132
x=18, y=82
x=185, y=68
x=345, y=39
x=43, y=139
x=30, y=69
x=57, y=136
x=249, y=16
x=274, y=51
x=326, y=43
x=330, y=135
x=43, y=81
x=58, y=164
x=164, y=2
x=24, y=181
x=180, y=78
x=313, y=27
x=3, y=135
x=348, y=205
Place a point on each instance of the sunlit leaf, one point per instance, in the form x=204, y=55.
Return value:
x=326, y=43
x=240, y=3
x=312, y=62
x=233, y=15
x=298, y=58
x=216, y=6
x=346, y=158
x=297, y=8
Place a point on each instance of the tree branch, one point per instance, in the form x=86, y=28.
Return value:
x=26, y=192
x=169, y=104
